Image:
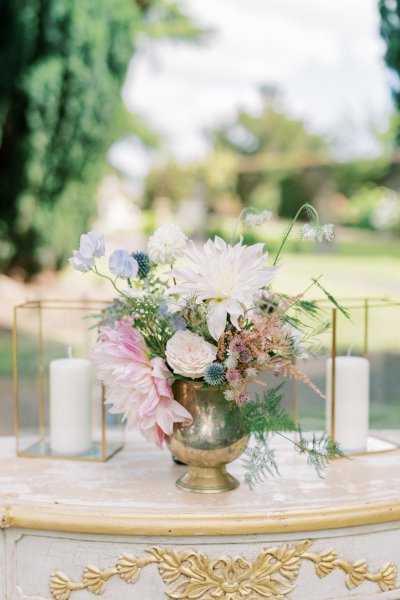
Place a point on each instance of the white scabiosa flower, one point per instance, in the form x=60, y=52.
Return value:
x=166, y=244
x=229, y=395
x=318, y=232
x=226, y=277
x=308, y=232
x=329, y=232
x=189, y=354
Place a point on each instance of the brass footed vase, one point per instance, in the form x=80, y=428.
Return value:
x=213, y=439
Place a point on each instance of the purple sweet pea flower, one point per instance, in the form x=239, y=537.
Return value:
x=91, y=245
x=80, y=263
x=122, y=264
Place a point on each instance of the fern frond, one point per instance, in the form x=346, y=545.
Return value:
x=319, y=450
x=259, y=462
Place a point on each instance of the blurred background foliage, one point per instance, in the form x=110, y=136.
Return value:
x=62, y=67
x=63, y=64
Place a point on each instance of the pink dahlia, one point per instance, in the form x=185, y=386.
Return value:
x=138, y=387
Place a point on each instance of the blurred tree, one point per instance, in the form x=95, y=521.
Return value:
x=61, y=68
x=62, y=64
x=255, y=159
x=390, y=32
x=270, y=145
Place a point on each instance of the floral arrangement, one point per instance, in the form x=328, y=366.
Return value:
x=204, y=312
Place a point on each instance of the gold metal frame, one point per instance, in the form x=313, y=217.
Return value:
x=80, y=305
x=359, y=304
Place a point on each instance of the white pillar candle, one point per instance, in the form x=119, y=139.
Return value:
x=351, y=402
x=70, y=405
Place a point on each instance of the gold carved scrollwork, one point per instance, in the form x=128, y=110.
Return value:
x=189, y=574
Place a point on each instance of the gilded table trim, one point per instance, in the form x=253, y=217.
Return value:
x=113, y=522
x=190, y=574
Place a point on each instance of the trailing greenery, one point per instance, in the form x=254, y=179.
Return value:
x=264, y=418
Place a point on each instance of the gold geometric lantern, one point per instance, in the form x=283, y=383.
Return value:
x=360, y=376
x=60, y=409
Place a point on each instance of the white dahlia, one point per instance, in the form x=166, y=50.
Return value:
x=166, y=244
x=226, y=277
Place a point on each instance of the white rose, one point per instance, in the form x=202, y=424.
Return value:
x=188, y=354
x=166, y=244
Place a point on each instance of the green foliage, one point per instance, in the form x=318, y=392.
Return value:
x=331, y=298
x=168, y=19
x=390, y=32
x=259, y=462
x=156, y=328
x=264, y=417
x=319, y=450
x=251, y=156
x=62, y=65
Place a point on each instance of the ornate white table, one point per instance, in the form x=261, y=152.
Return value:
x=122, y=529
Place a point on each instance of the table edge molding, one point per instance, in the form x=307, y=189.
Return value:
x=108, y=522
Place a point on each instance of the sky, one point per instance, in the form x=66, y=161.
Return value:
x=325, y=57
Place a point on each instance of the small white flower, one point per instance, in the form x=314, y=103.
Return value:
x=136, y=293
x=188, y=354
x=251, y=372
x=329, y=232
x=91, y=246
x=232, y=360
x=308, y=232
x=318, y=232
x=166, y=244
x=229, y=395
x=255, y=219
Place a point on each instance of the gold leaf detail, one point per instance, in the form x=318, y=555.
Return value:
x=128, y=569
x=197, y=577
x=93, y=580
x=357, y=574
x=59, y=586
x=326, y=563
x=386, y=579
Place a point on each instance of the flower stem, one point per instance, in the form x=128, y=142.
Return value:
x=307, y=207
x=241, y=214
x=113, y=281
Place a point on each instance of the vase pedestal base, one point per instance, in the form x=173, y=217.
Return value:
x=207, y=480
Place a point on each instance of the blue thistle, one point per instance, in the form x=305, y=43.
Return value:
x=214, y=374
x=144, y=263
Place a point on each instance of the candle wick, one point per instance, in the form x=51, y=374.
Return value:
x=69, y=352
x=350, y=351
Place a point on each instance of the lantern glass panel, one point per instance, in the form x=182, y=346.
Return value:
x=46, y=331
x=372, y=331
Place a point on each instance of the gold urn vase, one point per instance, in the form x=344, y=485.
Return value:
x=213, y=439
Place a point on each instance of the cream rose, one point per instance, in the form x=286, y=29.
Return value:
x=188, y=354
